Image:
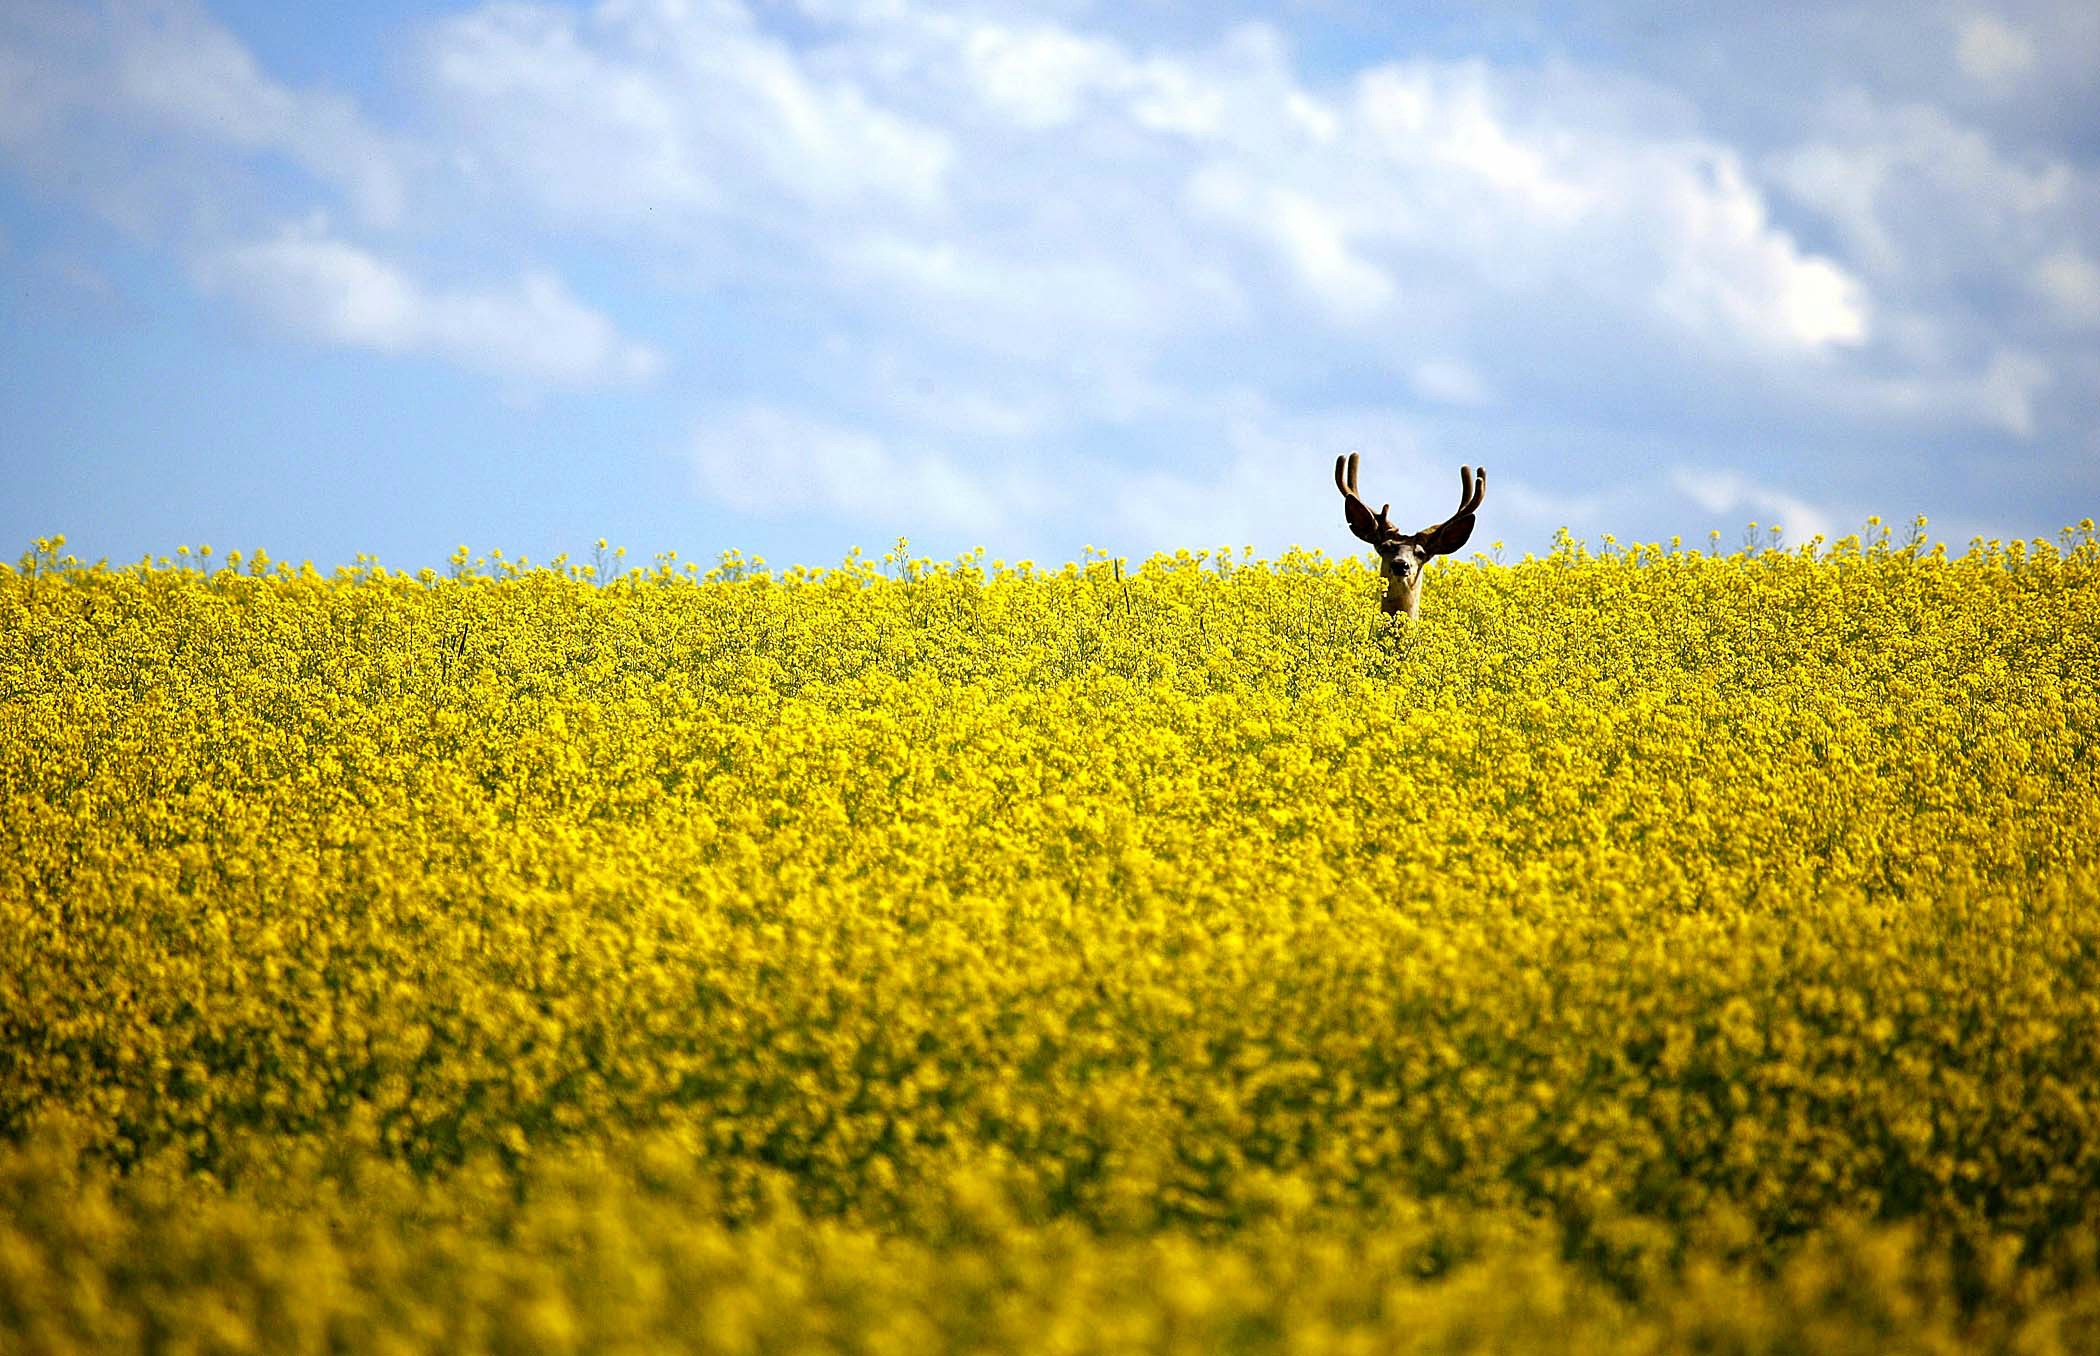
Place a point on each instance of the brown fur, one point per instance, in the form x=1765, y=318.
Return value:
x=1402, y=556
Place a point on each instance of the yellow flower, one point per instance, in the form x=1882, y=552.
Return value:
x=1644, y=950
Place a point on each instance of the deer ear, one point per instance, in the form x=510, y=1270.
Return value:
x=1360, y=520
x=1447, y=537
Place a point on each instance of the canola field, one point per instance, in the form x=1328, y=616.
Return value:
x=1647, y=951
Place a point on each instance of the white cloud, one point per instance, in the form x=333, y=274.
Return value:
x=1938, y=216
x=1436, y=187
x=2070, y=282
x=184, y=72
x=1031, y=306
x=1450, y=382
x=1920, y=197
x=1991, y=51
x=1313, y=240
x=633, y=109
x=1040, y=76
x=84, y=98
x=1451, y=117
x=1729, y=267
x=1728, y=491
x=331, y=292
x=1273, y=487
x=944, y=401
x=912, y=159
x=772, y=462
x=2002, y=397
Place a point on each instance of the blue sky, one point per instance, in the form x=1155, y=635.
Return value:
x=794, y=277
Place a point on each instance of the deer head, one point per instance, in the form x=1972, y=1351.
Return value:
x=1402, y=555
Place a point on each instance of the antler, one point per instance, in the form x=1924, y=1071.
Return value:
x=1366, y=525
x=1443, y=538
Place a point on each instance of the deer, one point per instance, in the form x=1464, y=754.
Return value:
x=1402, y=556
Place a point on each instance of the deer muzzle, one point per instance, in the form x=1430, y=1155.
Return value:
x=1403, y=590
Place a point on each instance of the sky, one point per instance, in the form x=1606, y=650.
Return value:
x=793, y=277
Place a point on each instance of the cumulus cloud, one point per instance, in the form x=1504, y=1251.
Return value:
x=326, y=290
x=1921, y=198
x=1729, y=268
x=1937, y=216
x=608, y=116
x=1428, y=185
x=968, y=167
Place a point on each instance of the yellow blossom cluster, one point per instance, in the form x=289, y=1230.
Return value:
x=1646, y=950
